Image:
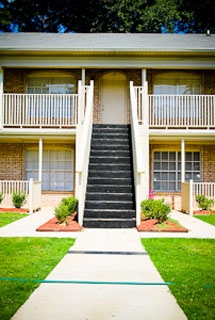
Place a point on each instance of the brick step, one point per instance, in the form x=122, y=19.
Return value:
x=110, y=174
x=101, y=196
x=104, y=142
x=110, y=166
x=109, y=153
x=110, y=181
x=109, y=214
x=110, y=160
x=109, y=188
x=111, y=147
x=111, y=126
x=111, y=130
x=110, y=135
x=109, y=223
x=122, y=205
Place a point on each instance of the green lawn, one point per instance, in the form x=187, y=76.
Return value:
x=190, y=264
x=26, y=258
x=209, y=218
x=8, y=217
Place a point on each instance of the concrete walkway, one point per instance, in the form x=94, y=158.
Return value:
x=101, y=256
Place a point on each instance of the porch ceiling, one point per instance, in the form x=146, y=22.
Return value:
x=27, y=138
x=206, y=136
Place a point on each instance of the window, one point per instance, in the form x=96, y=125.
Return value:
x=57, y=169
x=167, y=169
x=173, y=97
x=177, y=83
x=49, y=106
x=50, y=85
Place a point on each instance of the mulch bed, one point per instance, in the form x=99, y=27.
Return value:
x=203, y=212
x=152, y=226
x=20, y=210
x=54, y=225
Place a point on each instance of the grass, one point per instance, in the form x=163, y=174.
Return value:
x=209, y=218
x=9, y=217
x=189, y=263
x=26, y=258
x=165, y=226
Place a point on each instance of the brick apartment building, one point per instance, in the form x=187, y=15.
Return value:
x=154, y=94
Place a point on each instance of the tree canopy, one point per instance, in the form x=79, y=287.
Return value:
x=130, y=16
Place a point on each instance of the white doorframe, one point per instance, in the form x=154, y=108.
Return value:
x=114, y=98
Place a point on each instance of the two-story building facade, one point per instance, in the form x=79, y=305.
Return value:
x=161, y=84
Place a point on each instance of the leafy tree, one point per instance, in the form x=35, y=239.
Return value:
x=196, y=16
x=107, y=15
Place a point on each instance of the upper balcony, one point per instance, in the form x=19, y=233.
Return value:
x=40, y=111
x=60, y=111
x=167, y=111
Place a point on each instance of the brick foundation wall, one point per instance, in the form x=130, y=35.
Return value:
x=53, y=199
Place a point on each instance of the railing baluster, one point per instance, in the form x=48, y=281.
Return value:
x=182, y=111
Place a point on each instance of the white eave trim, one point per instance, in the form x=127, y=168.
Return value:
x=109, y=62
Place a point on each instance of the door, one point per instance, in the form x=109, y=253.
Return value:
x=114, y=99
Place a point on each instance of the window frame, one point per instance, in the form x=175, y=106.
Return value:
x=163, y=166
x=48, y=169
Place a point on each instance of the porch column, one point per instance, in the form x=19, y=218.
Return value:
x=182, y=160
x=143, y=75
x=1, y=98
x=40, y=159
x=83, y=76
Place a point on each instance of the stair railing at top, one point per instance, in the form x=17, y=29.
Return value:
x=140, y=143
x=83, y=143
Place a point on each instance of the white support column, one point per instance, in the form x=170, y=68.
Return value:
x=40, y=159
x=182, y=160
x=191, y=197
x=143, y=76
x=1, y=98
x=83, y=76
x=31, y=195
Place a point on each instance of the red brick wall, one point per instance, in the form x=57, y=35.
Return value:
x=11, y=161
x=12, y=158
x=208, y=163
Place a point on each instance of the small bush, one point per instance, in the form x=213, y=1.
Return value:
x=18, y=199
x=71, y=203
x=204, y=203
x=66, y=208
x=155, y=209
x=1, y=197
x=61, y=213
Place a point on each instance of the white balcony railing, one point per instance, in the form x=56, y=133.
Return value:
x=187, y=111
x=189, y=191
x=40, y=110
x=31, y=188
x=177, y=111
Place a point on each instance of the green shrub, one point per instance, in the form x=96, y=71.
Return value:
x=155, y=209
x=204, y=203
x=71, y=203
x=61, y=213
x=1, y=197
x=18, y=199
x=66, y=208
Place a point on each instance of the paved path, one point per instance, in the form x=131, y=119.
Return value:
x=100, y=256
x=92, y=258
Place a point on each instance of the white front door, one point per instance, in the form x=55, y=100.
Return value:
x=114, y=99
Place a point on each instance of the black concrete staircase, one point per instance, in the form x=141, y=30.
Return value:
x=110, y=192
